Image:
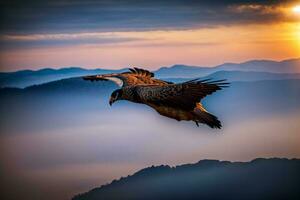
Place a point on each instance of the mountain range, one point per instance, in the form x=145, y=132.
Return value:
x=242, y=101
x=251, y=70
x=183, y=71
x=208, y=179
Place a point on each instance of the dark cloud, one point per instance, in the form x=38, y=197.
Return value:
x=82, y=16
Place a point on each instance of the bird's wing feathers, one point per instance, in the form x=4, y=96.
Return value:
x=135, y=76
x=116, y=78
x=140, y=72
x=184, y=95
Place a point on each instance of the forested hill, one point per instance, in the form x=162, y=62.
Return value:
x=208, y=179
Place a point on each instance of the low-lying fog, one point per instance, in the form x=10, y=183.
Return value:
x=55, y=146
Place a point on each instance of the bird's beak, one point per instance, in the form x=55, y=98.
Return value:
x=111, y=101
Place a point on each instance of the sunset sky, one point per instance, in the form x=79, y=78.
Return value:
x=151, y=34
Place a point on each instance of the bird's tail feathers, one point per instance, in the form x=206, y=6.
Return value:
x=206, y=118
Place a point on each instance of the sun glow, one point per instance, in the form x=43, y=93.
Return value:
x=296, y=9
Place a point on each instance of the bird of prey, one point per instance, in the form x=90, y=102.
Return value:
x=180, y=101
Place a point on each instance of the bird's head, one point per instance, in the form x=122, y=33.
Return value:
x=115, y=96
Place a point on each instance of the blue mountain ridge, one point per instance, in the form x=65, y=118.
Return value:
x=241, y=101
x=286, y=69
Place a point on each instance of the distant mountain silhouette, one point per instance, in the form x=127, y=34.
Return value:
x=26, y=78
x=285, y=66
x=184, y=71
x=208, y=179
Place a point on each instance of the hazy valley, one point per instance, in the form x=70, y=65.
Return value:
x=64, y=134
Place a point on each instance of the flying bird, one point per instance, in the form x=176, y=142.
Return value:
x=180, y=101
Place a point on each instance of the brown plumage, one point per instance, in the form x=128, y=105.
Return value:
x=135, y=76
x=178, y=101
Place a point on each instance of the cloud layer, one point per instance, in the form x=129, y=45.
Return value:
x=118, y=33
x=118, y=15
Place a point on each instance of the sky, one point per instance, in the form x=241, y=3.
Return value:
x=149, y=34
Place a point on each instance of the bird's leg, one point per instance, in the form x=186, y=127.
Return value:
x=197, y=123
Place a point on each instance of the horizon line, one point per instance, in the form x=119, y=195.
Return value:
x=123, y=68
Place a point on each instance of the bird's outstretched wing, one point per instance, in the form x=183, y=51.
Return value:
x=135, y=76
x=184, y=95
